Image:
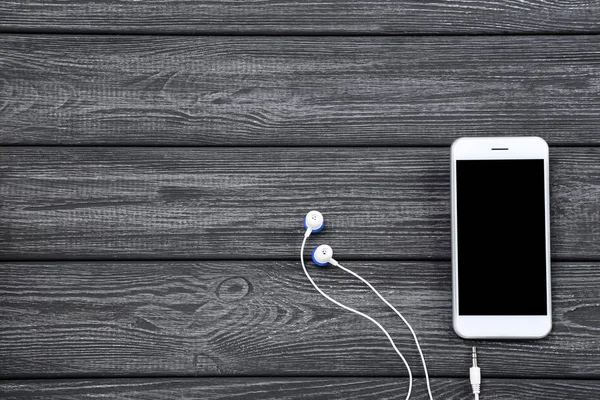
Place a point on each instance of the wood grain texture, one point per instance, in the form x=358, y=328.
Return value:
x=316, y=91
x=241, y=203
x=294, y=388
x=268, y=17
x=263, y=318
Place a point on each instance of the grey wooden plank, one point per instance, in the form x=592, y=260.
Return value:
x=240, y=203
x=268, y=17
x=263, y=318
x=265, y=91
x=294, y=388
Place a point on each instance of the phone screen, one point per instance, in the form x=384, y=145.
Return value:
x=501, y=237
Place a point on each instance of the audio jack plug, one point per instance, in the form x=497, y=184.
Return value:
x=475, y=375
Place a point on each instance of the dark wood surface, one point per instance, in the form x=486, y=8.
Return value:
x=241, y=203
x=296, y=17
x=288, y=389
x=157, y=159
x=228, y=318
x=301, y=91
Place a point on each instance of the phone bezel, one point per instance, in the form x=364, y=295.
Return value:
x=499, y=326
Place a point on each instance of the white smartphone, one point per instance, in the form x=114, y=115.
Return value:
x=500, y=238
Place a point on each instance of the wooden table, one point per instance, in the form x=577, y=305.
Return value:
x=158, y=157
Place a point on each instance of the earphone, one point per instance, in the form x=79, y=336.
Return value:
x=313, y=222
x=322, y=256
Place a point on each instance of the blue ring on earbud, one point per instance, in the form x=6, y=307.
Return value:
x=320, y=264
x=319, y=229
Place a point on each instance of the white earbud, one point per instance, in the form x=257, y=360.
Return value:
x=313, y=222
x=323, y=255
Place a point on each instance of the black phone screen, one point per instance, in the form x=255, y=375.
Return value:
x=501, y=237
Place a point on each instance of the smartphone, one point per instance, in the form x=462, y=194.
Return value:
x=500, y=238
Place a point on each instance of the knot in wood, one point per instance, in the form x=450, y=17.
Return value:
x=234, y=288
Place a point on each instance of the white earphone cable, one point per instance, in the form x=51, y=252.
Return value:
x=410, y=379
x=401, y=316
